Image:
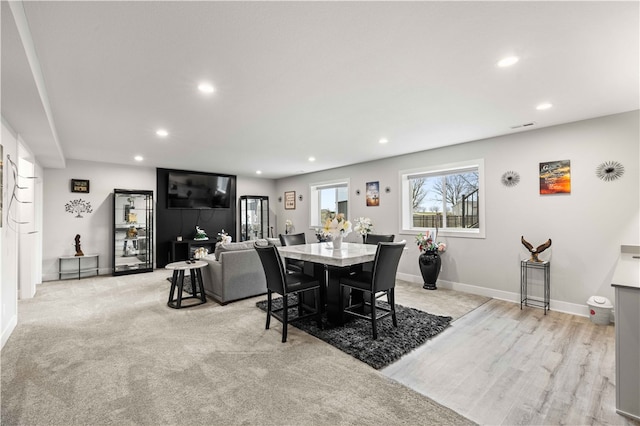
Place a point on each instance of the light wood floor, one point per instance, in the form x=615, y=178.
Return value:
x=499, y=365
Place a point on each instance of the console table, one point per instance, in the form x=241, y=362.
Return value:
x=527, y=266
x=78, y=264
x=183, y=250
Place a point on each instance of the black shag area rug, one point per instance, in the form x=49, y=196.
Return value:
x=186, y=286
x=355, y=337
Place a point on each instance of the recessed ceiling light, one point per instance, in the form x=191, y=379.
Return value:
x=205, y=88
x=508, y=61
x=258, y=172
x=383, y=141
x=544, y=106
x=138, y=158
x=312, y=159
x=162, y=133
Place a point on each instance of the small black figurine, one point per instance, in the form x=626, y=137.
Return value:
x=78, y=249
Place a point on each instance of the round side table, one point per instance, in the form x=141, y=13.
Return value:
x=177, y=281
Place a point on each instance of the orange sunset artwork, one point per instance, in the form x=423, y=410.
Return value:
x=555, y=177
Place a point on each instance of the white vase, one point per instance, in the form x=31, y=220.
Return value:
x=337, y=242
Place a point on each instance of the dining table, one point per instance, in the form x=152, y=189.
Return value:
x=329, y=265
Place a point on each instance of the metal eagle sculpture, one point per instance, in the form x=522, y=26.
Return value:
x=535, y=251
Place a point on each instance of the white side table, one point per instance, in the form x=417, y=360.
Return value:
x=177, y=281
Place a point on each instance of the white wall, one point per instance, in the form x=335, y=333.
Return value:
x=19, y=243
x=8, y=242
x=95, y=229
x=256, y=186
x=587, y=226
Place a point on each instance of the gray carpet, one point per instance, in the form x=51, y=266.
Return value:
x=355, y=336
x=108, y=351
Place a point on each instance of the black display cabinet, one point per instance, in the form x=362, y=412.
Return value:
x=254, y=217
x=132, y=231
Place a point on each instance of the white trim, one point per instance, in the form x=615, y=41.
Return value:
x=6, y=333
x=555, y=305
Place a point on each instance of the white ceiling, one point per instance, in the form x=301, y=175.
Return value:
x=300, y=79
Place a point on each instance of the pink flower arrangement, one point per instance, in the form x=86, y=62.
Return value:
x=425, y=243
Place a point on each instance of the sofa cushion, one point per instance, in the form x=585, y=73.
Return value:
x=244, y=245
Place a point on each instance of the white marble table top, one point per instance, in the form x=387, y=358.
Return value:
x=348, y=254
x=184, y=265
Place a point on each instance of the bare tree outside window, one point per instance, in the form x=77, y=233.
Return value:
x=418, y=192
x=445, y=201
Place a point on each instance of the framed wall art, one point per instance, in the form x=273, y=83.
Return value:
x=290, y=200
x=555, y=177
x=373, y=194
x=80, y=185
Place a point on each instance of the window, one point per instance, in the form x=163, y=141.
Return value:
x=447, y=197
x=328, y=198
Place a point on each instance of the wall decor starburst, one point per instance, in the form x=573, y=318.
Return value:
x=609, y=170
x=510, y=178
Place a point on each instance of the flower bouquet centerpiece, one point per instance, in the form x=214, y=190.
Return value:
x=337, y=227
x=363, y=227
x=288, y=226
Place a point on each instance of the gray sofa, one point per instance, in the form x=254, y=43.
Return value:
x=234, y=272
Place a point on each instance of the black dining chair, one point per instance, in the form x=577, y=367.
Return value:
x=379, y=238
x=374, y=239
x=285, y=284
x=293, y=265
x=379, y=282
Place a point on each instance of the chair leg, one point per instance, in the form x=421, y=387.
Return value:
x=373, y=316
x=268, y=309
x=392, y=304
x=316, y=294
x=285, y=316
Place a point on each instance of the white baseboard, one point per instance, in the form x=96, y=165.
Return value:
x=13, y=322
x=554, y=305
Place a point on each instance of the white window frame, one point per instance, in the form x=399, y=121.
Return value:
x=314, y=207
x=406, y=217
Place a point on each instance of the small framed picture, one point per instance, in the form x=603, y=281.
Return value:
x=373, y=194
x=555, y=177
x=80, y=185
x=290, y=200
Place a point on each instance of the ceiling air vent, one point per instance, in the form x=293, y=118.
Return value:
x=519, y=126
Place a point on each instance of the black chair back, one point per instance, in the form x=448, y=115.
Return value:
x=385, y=265
x=293, y=265
x=273, y=269
x=379, y=238
x=292, y=239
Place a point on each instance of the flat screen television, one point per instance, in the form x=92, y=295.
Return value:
x=191, y=190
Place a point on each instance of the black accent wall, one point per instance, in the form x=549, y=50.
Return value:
x=171, y=223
